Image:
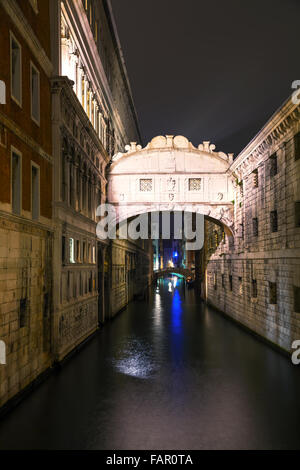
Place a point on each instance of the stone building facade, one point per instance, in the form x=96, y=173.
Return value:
x=254, y=277
x=93, y=117
x=26, y=231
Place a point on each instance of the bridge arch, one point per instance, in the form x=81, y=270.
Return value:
x=170, y=174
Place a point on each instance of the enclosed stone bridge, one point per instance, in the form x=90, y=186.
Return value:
x=170, y=174
x=168, y=271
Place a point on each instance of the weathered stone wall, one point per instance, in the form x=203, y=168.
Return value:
x=261, y=259
x=25, y=303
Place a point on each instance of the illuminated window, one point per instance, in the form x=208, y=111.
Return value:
x=194, y=184
x=16, y=70
x=146, y=185
x=96, y=31
x=72, y=250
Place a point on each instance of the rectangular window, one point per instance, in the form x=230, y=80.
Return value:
x=240, y=285
x=84, y=252
x=215, y=281
x=63, y=249
x=223, y=281
x=297, y=214
x=35, y=192
x=16, y=70
x=23, y=313
x=16, y=180
x=273, y=165
x=255, y=226
x=194, y=184
x=272, y=293
x=274, y=221
x=255, y=178
x=297, y=146
x=72, y=250
x=145, y=185
x=35, y=93
x=230, y=282
x=254, y=288
x=78, y=251
x=94, y=254
x=296, y=299
x=241, y=231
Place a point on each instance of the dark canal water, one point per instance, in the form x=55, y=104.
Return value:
x=168, y=374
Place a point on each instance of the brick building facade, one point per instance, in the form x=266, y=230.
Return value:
x=26, y=230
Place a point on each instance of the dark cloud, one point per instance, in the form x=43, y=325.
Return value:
x=211, y=70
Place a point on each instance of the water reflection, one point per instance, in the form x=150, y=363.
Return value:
x=167, y=374
x=137, y=359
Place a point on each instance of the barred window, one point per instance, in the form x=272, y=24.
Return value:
x=240, y=285
x=194, y=184
x=273, y=165
x=272, y=293
x=255, y=178
x=145, y=185
x=254, y=288
x=223, y=281
x=274, y=221
x=255, y=226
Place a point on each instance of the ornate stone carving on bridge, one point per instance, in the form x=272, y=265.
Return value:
x=170, y=172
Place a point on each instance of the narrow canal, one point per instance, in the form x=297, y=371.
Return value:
x=170, y=373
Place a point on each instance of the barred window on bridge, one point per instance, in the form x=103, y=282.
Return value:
x=145, y=185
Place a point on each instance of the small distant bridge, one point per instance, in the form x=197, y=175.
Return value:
x=182, y=272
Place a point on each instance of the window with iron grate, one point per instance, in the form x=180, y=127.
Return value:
x=273, y=165
x=255, y=226
x=255, y=178
x=146, y=185
x=194, y=184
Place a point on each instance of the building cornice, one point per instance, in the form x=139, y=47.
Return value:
x=16, y=15
x=274, y=131
x=81, y=30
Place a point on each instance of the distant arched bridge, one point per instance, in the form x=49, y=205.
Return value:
x=168, y=271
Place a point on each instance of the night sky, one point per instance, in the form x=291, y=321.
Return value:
x=210, y=70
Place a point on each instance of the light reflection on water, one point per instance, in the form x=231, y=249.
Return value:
x=137, y=360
